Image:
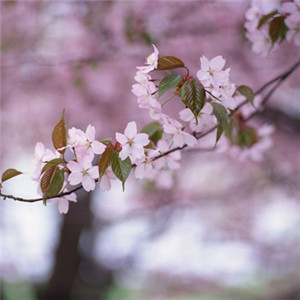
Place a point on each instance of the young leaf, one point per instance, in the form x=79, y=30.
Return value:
x=169, y=82
x=56, y=184
x=219, y=133
x=264, y=19
x=169, y=63
x=220, y=113
x=59, y=135
x=154, y=131
x=52, y=181
x=121, y=168
x=247, y=92
x=10, y=173
x=193, y=96
x=275, y=28
x=46, y=178
x=105, y=159
x=53, y=162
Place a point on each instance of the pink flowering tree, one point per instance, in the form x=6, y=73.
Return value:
x=210, y=103
x=184, y=103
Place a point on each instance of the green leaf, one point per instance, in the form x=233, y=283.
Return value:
x=264, y=19
x=52, y=181
x=220, y=113
x=193, y=96
x=275, y=28
x=154, y=130
x=56, y=184
x=106, y=141
x=219, y=133
x=247, y=92
x=59, y=135
x=169, y=63
x=169, y=82
x=121, y=168
x=10, y=173
x=105, y=159
x=53, y=162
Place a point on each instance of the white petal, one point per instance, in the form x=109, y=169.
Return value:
x=186, y=115
x=75, y=178
x=63, y=206
x=131, y=130
x=126, y=149
x=121, y=138
x=141, y=138
x=72, y=197
x=39, y=150
x=189, y=139
x=74, y=166
x=98, y=147
x=217, y=63
x=204, y=63
x=93, y=172
x=90, y=133
x=178, y=140
x=88, y=183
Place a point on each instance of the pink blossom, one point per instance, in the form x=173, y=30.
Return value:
x=179, y=137
x=151, y=62
x=170, y=161
x=63, y=202
x=293, y=23
x=292, y=8
x=85, y=143
x=204, y=119
x=132, y=142
x=145, y=165
x=41, y=157
x=105, y=182
x=211, y=72
x=83, y=172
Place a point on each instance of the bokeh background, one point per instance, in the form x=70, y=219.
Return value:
x=226, y=230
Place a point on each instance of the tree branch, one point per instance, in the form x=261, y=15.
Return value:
x=278, y=80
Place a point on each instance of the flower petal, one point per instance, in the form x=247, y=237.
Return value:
x=63, y=206
x=131, y=130
x=88, y=183
x=75, y=178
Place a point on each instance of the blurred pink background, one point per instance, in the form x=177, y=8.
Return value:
x=226, y=230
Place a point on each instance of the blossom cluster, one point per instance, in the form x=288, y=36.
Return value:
x=270, y=22
x=209, y=101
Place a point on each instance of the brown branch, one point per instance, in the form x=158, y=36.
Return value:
x=279, y=80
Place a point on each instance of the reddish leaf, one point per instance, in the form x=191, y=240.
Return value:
x=9, y=173
x=59, y=135
x=105, y=159
x=169, y=63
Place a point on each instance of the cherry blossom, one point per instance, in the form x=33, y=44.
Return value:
x=203, y=120
x=85, y=143
x=63, y=202
x=41, y=156
x=83, y=172
x=211, y=72
x=170, y=161
x=105, y=181
x=151, y=62
x=292, y=8
x=132, y=142
x=293, y=23
x=179, y=137
x=145, y=165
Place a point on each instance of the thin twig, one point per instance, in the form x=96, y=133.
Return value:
x=279, y=79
